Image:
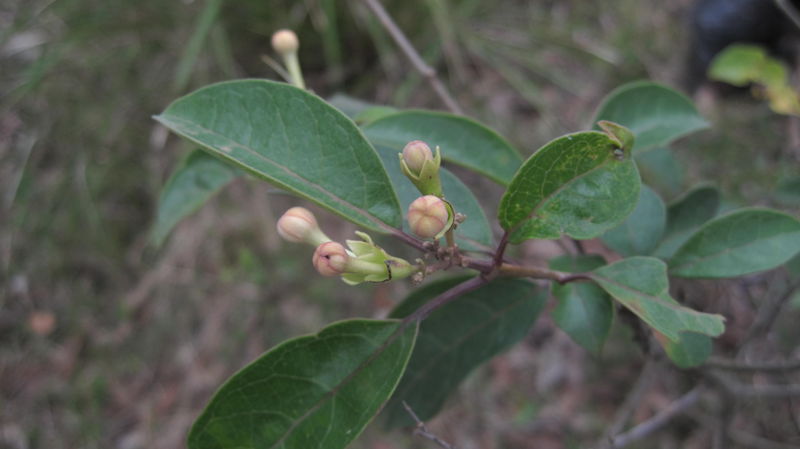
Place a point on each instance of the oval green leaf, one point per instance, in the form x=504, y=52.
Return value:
x=574, y=185
x=317, y=391
x=294, y=140
x=640, y=232
x=691, y=350
x=741, y=242
x=463, y=141
x=196, y=180
x=656, y=114
x=458, y=337
x=641, y=285
x=685, y=215
x=474, y=234
x=584, y=311
x=661, y=171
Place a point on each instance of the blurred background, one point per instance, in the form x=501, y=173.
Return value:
x=109, y=341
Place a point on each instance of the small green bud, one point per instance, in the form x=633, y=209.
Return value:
x=330, y=259
x=428, y=216
x=299, y=225
x=285, y=42
x=421, y=167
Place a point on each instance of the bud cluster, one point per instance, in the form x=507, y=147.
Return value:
x=364, y=261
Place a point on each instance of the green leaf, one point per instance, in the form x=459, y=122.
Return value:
x=661, y=171
x=474, y=234
x=294, y=140
x=317, y=391
x=197, y=179
x=458, y=337
x=739, y=65
x=656, y=114
x=640, y=232
x=584, y=311
x=741, y=242
x=692, y=349
x=574, y=185
x=463, y=141
x=685, y=215
x=641, y=285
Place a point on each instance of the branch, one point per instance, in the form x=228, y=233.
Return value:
x=416, y=60
x=658, y=421
x=449, y=295
x=632, y=401
x=423, y=430
x=790, y=11
x=738, y=389
x=732, y=365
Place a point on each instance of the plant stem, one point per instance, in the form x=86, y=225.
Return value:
x=413, y=56
x=293, y=66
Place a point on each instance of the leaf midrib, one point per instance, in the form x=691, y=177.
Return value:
x=168, y=119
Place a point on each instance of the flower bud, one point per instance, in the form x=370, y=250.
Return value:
x=415, y=154
x=330, y=259
x=428, y=216
x=285, y=41
x=421, y=167
x=299, y=225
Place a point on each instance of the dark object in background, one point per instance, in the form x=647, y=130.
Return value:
x=715, y=24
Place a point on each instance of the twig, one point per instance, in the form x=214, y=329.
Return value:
x=738, y=389
x=742, y=438
x=632, y=401
x=790, y=11
x=413, y=56
x=732, y=365
x=658, y=421
x=423, y=430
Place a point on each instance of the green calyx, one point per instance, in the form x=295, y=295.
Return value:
x=370, y=263
x=427, y=178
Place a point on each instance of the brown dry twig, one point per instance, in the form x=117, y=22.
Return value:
x=423, y=431
x=427, y=72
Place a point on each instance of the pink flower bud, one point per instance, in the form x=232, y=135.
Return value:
x=428, y=216
x=285, y=41
x=297, y=224
x=415, y=154
x=330, y=259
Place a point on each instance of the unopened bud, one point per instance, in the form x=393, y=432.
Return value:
x=428, y=216
x=415, y=154
x=330, y=259
x=285, y=41
x=299, y=225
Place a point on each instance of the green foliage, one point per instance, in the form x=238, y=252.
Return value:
x=294, y=140
x=190, y=186
x=742, y=64
x=584, y=311
x=639, y=234
x=741, y=242
x=685, y=215
x=458, y=337
x=656, y=114
x=580, y=185
x=463, y=141
x=691, y=350
x=318, y=391
x=641, y=285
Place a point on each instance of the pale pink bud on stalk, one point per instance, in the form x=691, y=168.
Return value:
x=428, y=216
x=299, y=225
x=415, y=154
x=330, y=259
x=285, y=41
